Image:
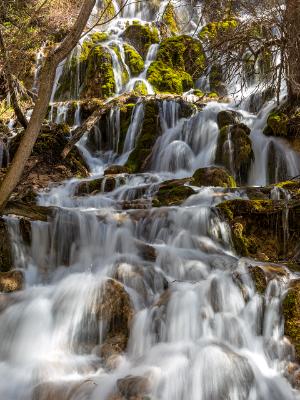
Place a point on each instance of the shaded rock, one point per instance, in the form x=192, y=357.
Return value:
x=234, y=151
x=291, y=313
x=105, y=184
x=227, y=117
x=141, y=37
x=116, y=310
x=116, y=169
x=258, y=228
x=134, y=387
x=63, y=390
x=172, y=193
x=11, y=281
x=6, y=261
x=258, y=276
x=213, y=176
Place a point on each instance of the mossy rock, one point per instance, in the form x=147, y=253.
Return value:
x=227, y=117
x=105, y=184
x=116, y=169
x=238, y=156
x=6, y=260
x=180, y=61
x=213, y=176
x=141, y=37
x=140, y=88
x=134, y=60
x=172, y=193
x=96, y=76
x=167, y=80
x=139, y=157
x=277, y=124
x=259, y=278
x=291, y=313
x=216, y=81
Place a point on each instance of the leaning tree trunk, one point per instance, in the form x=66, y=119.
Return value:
x=292, y=27
x=54, y=57
x=10, y=83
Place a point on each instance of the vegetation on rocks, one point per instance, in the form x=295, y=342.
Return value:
x=213, y=176
x=180, y=61
x=134, y=60
x=141, y=36
x=11, y=281
x=172, y=193
x=291, y=307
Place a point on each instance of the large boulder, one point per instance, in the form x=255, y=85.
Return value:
x=141, y=37
x=213, y=176
x=228, y=117
x=180, y=62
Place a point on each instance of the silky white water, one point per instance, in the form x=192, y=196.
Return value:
x=199, y=330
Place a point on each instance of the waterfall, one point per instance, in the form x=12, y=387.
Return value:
x=124, y=299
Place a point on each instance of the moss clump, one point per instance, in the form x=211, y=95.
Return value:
x=134, y=60
x=169, y=19
x=227, y=117
x=172, y=193
x=98, y=37
x=140, y=89
x=213, y=176
x=258, y=276
x=180, y=61
x=165, y=79
x=150, y=131
x=277, y=124
x=234, y=151
x=291, y=313
x=214, y=29
x=141, y=37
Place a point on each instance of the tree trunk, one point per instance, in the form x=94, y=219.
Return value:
x=292, y=27
x=10, y=83
x=47, y=76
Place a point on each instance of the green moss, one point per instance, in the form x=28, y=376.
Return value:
x=258, y=276
x=180, y=60
x=172, y=193
x=141, y=36
x=277, y=123
x=98, y=37
x=213, y=176
x=125, y=119
x=165, y=79
x=134, y=60
x=140, y=88
x=169, y=19
x=213, y=29
x=291, y=313
x=147, y=138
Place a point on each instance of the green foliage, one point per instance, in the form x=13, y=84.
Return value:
x=140, y=88
x=134, y=60
x=141, y=36
x=169, y=18
x=213, y=29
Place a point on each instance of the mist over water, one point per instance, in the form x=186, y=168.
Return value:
x=167, y=279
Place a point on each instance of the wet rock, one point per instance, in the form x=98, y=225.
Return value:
x=146, y=251
x=105, y=184
x=11, y=281
x=213, y=176
x=228, y=117
x=116, y=310
x=134, y=387
x=140, y=157
x=116, y=169
x=291, y=313
x=172, y=193
x=134, y=60
x=141, y=37
x=63, y=390
x=284, y=121
x=258, y=228
x=258, y=276
x=6, y=261
x=234, y=151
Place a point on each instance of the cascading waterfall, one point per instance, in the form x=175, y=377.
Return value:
x=166, y=279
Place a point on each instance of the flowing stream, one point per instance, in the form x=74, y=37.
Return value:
x=166, y=281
